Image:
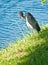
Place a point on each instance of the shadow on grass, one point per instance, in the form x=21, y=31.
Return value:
x=38, y=57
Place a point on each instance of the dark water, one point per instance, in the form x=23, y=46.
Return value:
x=11, y=27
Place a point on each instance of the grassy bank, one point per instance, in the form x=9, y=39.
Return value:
x=32, y=50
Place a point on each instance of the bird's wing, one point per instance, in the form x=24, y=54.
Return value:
x=32, y=21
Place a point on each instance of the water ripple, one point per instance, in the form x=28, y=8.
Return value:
x=11, y=27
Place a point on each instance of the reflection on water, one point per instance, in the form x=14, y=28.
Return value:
x=11, y=27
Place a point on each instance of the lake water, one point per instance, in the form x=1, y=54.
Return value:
x=11, y=27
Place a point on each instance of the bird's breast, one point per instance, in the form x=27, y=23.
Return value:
x=28, y=24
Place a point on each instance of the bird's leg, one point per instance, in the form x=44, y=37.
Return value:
x=33, y=31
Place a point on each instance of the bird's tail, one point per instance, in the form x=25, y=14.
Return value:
x=37, y=28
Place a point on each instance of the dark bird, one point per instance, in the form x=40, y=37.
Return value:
x=30, y=20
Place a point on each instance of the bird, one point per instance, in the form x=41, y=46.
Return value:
x=30, y=20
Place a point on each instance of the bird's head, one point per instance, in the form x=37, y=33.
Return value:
x=20, y=14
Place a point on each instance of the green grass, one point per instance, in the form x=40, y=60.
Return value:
x=32, y=50
x=43, y=1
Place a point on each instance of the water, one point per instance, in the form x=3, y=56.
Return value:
x=11, y=27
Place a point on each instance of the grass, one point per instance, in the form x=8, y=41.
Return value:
x=43, y=1
x=32, y=50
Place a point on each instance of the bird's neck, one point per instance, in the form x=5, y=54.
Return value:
x=23, y=17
